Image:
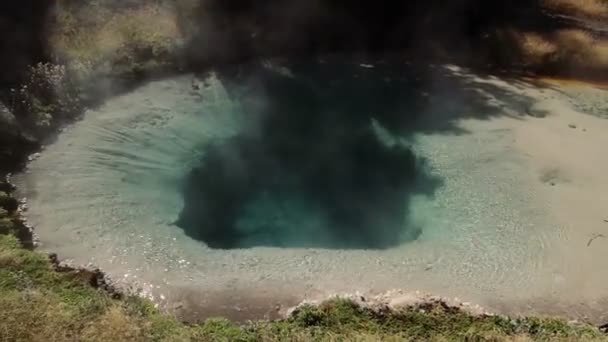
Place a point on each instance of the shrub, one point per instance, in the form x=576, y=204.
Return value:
x=48, y=95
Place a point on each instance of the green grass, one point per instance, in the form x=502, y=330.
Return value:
x=40, y=303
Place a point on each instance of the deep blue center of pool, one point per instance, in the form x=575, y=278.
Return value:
x=312, y=171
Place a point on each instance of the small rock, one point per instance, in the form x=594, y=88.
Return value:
x=404, y=301
x=537, y=110
x=572, y=125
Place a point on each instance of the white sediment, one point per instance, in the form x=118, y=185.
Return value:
x=521, y=198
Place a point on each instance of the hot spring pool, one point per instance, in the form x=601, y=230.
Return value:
x=244, y=191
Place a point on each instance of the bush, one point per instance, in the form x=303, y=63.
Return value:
x=48, y=95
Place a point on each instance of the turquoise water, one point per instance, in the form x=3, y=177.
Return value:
x=318, y=210
x=315, y=150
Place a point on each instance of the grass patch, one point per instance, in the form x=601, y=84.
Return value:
x=433, y=321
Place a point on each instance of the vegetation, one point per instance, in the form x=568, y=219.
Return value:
x=107, y=37
x=95, y=47
x=573, y=50
x=594, y=9
x=48, y=96
x=92, y=40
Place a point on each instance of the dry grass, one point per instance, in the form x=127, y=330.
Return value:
x=594, y=9
x=581, y=49
x=571, y=49
x=99, y=36
x=536, y=48
x=32, y=316
x=114, y=325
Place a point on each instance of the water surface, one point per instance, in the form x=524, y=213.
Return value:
x=272, y=183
